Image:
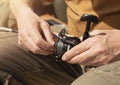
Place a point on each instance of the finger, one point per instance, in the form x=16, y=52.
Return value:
x=35, y=49
x=28, y=42
x=38, y=39
x=95, y=32
x=84, y=57
x=78, y=49
x=46, y=30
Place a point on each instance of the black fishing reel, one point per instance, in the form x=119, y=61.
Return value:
x=64, y=43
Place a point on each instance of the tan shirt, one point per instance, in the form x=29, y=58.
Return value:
x=108, y=12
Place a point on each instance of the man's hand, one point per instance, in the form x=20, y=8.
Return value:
x=101, y=48
x=34, y=33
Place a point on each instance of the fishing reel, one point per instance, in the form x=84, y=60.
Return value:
x=64, y=43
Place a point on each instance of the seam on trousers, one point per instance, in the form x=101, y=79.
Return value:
x=104, y=78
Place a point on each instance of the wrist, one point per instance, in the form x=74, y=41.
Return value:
x=20, y=7
x=24, y=11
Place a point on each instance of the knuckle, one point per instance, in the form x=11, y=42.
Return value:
x=44, y=25
x=102, y=61
x=99, y=50
x=35, y=50
x=80, y=60
x=37, y=42
x=95, y=40
x=47, y=46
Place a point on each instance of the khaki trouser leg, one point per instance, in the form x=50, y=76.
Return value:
x=105, y=75
x=27, y=68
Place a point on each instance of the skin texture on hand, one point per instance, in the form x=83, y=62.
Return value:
x=33, y=32
x=101, y=48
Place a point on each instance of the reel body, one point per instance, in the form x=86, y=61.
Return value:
x=64, y=43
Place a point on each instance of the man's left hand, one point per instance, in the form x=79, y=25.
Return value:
x=102, y=47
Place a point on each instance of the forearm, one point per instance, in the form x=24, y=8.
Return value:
x=22, y=7
x=19, y=6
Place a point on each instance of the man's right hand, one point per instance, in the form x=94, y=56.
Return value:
x=34, y=33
